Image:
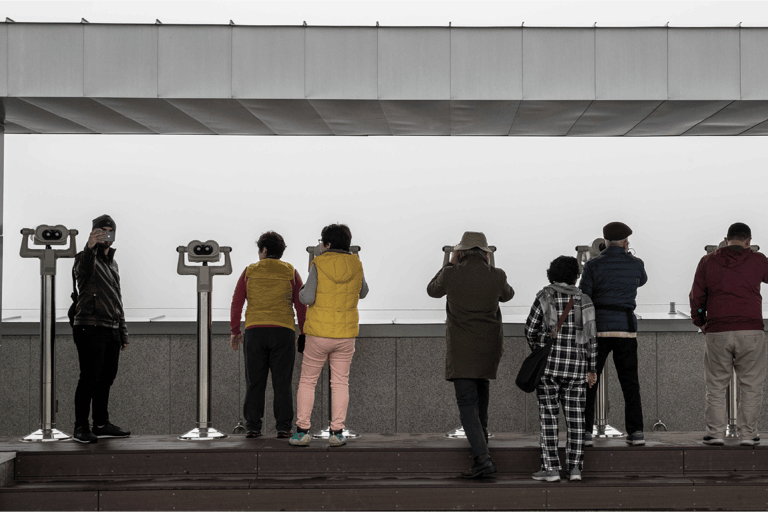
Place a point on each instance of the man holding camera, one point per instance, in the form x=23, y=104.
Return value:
x=99, y=331
x=726, y=304
x=611, y=279
x=474, y=337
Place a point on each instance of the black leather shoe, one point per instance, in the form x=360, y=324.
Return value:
x=84, y=435
x=480, y=469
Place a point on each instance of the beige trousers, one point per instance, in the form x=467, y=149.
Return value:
x=744, y=351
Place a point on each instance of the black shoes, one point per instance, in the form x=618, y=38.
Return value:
x=480, y=469
x=84, y=435
x=284, y=434
x=110, y=430
x=252, y=434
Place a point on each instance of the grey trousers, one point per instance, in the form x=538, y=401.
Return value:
x=744, y=351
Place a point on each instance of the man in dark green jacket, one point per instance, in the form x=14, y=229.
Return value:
x=474, y=336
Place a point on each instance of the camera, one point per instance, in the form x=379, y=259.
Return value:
x=108, y=236
x=200, y=252
x=50, y=235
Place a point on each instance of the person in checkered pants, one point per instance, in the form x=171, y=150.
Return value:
x=570, y=367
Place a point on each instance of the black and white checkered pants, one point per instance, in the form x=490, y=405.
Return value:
x=551, y=392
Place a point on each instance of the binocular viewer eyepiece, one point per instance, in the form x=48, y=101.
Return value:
x=48, y=235
x=202, y=252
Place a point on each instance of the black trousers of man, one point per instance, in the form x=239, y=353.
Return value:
x=625, y=359
x=472, y=396
x=269, y=349
x=98, y=350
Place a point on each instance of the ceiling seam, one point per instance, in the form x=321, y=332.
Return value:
x=661, y=102
x=53, y=114
x=708, y=117
x=378, y=92
x=580, y=116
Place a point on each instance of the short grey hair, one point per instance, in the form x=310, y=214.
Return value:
x=615, y=243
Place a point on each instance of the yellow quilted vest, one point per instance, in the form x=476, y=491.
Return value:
x=334, y=313
x=270, y=295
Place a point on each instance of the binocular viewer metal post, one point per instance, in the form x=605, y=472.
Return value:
x=48, y=236
x=203, y=252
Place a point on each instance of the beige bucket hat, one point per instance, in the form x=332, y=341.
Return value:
x=473, y=240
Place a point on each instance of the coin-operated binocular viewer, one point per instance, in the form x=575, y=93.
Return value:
x=325, y=433
x=458, y=432
x=205, y=253
x=732, y=394
x=48, y=236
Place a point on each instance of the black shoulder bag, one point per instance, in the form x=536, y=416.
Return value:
x=73, y=306
x=532, y=369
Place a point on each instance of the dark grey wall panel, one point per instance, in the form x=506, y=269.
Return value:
x=734, y=119
x=418, y=117
x=91, y=114
x=21, y=113
x=612, y=118
x=157, y=115
x=225, y=117
x=482, y=117
x=676, y=117
x=353, y=117
x=288, y=117
x=547, y=118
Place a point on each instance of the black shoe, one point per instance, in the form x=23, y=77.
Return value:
x=284, y=434
x=84, y=435
x=110, y=430
x=480, y=469
x=714, y=441
x=252, y=434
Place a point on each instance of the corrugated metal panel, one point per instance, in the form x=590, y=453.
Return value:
x=754, y=64
x=482, y=117
x=15, y=129
x=268, y=62
x=353, y=117
x=341, y=63
x=157, y=115
x=631, y=64
x=90, y=114
x=225, y=117
x=759, y=130
x=19, y=112
x=558, y=64
x=486, y=64
x=704, y=64
x=288, y=117
x=734, y=119
x=194, y=62
x=4, y=59
x=676, y=118
x=414, y=64
x=45, y=60
x=121, y=61
x=418, y=117
x=612, y=118
x=547, y=118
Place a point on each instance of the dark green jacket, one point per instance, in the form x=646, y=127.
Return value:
x=473, y=330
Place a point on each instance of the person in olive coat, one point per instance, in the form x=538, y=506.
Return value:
x=474, y=336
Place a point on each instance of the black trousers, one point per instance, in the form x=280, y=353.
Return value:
x=98, y=350
x=625, y=359
x=472, y=396
x=269, y=349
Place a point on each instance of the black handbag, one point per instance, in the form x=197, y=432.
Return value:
x=532, y=369
x=73, y=306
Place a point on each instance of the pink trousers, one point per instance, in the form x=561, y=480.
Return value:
x=338, y=353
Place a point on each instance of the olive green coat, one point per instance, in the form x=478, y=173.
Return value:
x=473, y=329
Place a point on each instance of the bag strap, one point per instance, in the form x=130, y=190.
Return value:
x=74, y=285
x=553, y=334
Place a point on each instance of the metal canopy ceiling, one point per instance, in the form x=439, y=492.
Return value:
x=232, y=80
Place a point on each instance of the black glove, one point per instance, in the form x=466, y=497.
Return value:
x=302, y=339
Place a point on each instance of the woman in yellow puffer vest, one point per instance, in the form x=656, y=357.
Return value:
x=334, y=285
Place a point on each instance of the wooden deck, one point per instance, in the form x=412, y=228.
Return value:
x=674, y=471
